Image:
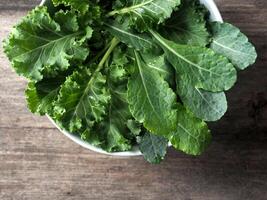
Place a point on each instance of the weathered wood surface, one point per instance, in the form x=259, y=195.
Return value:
x=37, y=162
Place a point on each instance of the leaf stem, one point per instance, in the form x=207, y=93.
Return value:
x=113, y=44
x=100, y=53
x=128, y=9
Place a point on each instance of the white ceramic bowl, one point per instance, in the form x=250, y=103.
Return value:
x=214, y=16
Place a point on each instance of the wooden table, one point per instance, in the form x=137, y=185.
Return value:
x=38, y=162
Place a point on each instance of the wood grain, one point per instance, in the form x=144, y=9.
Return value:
x=38, y=162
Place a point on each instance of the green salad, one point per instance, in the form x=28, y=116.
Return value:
x=125, y=73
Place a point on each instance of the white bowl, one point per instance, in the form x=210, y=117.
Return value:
x=214, y=16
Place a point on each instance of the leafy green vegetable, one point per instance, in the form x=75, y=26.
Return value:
x=208, y=106
x=145, y=13
x=94, y=136
x=41, y=95
x=139, y=41
x=153, y=147
x=134, y=127
x=82, y=100
x=158, y=64
x=230, y=42
x=49, y=46
x=150, y=105
x=124, y=74
x=118, y=112
x=187, y=25
x=207, y=70
x=79, y=5
x=192, y=135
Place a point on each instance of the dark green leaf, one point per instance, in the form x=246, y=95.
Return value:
x=207, y=70
x=205, y=105
x=153, y=147
x=115, y=125
x=79, y=5
x=230, y=42
x=187, y=25
x=145, y=13
x=94, y=137
x=151, y=100
x=192, y=135
x=139, y=41
x=134, y=127
x=39, y=42
x=158, y=63
x=41, y=96
x=82, y=101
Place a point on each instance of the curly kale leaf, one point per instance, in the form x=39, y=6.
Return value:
x=82, y=101
x=40, y=43
x=81, y=6
x=117, y=135
x=41, y=96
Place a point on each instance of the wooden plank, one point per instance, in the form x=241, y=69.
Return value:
x=20, y=5
x=37, y=162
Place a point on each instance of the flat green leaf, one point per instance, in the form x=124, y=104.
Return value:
x=187, y=25
x=207, y=70
x=153, y=147
x=39, y=42
x=150, y=98
x=230, y=42
x=158, y=63
x=138, y=41
x=81, y=6
x=192, y=135
x=82, y=101
x=205, y=105
x=145, y=13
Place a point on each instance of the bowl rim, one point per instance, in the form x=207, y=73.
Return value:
x=215, y=15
